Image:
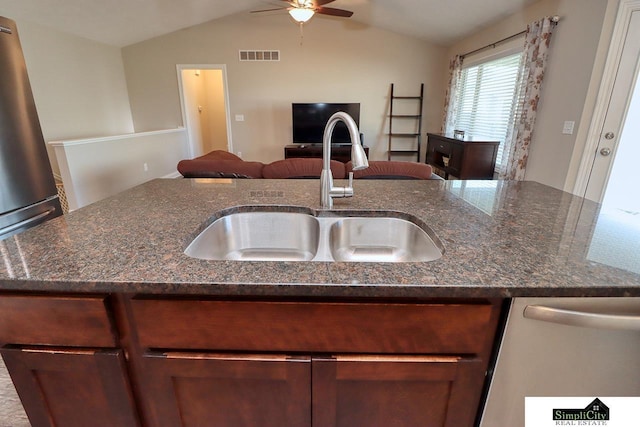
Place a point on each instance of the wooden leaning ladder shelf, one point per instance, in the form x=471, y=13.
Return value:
x=414, y=150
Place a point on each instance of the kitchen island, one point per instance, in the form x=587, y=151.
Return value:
x=106, y=295
x=501, y=239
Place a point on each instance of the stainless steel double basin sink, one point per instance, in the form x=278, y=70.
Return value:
x=331, y=236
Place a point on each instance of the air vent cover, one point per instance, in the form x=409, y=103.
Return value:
x=259, y=55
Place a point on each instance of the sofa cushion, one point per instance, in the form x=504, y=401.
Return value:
x=301, y=168
x=218, y=155
x=380, y=169
x=211, y=168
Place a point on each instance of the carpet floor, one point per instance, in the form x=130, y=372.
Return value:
x=11, y=411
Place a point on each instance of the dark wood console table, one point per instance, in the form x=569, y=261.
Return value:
x=463, y=159
x=342, y=153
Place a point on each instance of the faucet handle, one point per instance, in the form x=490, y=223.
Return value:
x=350, y=179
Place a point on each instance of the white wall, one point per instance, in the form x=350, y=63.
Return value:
x=338, y=61
x=80, y=90
x=96, y=168
x=78, y=85
x=571, y=60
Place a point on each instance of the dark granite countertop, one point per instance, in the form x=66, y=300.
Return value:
x=501, y=239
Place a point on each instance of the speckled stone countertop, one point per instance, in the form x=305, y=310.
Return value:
x=501, y=239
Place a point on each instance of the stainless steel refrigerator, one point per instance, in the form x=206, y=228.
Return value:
x=28, y=194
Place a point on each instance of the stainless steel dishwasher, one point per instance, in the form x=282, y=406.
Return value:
x=564, y=347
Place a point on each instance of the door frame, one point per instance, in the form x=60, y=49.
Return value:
x=183, y=106
x=614, y=57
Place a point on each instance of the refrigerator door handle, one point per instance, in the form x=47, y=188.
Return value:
x=27, y=221
x=582, y=318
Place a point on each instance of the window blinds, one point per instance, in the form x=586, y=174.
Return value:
x=488, y=100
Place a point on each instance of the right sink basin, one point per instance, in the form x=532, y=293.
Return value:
x=380, y=239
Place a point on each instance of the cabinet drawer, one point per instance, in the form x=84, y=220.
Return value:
x=59, y=321
x=312, y=327
x=442, y=147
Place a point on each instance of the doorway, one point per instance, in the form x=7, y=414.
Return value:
x=610, y=160
x=622, y=186
x=205, y=107
x=609, y=163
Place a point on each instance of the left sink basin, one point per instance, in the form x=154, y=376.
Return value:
x=258, y=236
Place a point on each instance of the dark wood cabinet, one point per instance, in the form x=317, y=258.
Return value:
x=130, y=360
x=72, y=321
x=381, y=391
x=225, y=390
x=62, y=355
x=72, y=387
x=341, y=153
x=463, y=159
x=300, y=363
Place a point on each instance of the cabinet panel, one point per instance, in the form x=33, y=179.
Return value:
x=72, y=387
x=464, y=159
x=312, y=327
x=479, y=160
x=456, y=160
x=229, y=391
x=57, y=321
x=401, y=391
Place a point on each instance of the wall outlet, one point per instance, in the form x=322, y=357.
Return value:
x=239, y=117
x=145, y=167
x=240, y=154
x=567, y=128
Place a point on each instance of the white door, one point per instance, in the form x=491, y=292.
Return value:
x=611, y=172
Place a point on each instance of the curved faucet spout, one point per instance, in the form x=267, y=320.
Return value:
x=358, y=159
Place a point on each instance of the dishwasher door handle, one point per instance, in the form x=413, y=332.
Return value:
x=582, y=318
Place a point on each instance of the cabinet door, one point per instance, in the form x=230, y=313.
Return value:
x=188, y=389
x=72, y=387
x=479, y=160
x=395, y=391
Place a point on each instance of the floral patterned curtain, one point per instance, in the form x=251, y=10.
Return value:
x=536, y=49
x=450, y=107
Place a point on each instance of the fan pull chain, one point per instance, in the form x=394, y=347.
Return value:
x=301, y=33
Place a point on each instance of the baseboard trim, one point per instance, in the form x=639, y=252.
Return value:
x=173, y=175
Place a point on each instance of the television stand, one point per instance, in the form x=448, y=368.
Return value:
x=339, y=152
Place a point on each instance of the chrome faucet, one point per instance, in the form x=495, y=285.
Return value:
x=358, y=159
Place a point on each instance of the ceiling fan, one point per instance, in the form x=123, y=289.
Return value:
x=302, y=10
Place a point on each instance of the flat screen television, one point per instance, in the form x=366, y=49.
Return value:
x=309, y=120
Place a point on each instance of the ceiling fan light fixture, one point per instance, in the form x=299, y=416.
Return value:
x=300, y=14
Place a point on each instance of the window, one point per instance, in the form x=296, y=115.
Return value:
x=488, y=100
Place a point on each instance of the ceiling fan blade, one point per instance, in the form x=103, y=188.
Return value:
x=268, y=10
x=317, y=3
x=334, y=12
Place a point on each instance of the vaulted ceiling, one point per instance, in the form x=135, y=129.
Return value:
x=124, y=22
